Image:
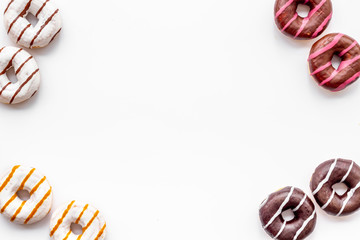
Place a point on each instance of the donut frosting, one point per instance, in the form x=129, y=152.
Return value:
x=276, y=203
x=320, y=61
x=22, y=32
x=337, y=171
x=290, y=23
x=36, y=207
x=26, y=71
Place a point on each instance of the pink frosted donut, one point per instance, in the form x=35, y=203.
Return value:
x=22, y=32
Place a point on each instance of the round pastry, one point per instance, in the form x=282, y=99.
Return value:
x=321, y=55
x=275, y=204
x=329, y=173
x=92, y=222
x=291, y=24
x=28, y=179
x=26, y=71
x=22, y=32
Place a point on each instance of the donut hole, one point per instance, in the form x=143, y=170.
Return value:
x=303, y=10
x=32, y=19
x=24, y=195
x=10, y=73
x=288, y=215
x=340, y=188
x=76, y=228
x=335, y=61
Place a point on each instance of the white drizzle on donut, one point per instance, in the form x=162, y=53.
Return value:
x=305, y=223
x=281, y=230
x=348, y=197
x=300, y=204
x=326, y=179
x=279, y=211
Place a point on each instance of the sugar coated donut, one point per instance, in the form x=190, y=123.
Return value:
x=275, y=204
x=291, y=24
x=329, y=173
x=26, y=71
x=22, y=32
x=321, y=67
x=36, y=207
x=92, y=222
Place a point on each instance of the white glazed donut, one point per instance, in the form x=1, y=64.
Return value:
x=36, y=207
x=27, y=73
x=22, y=32
x=92, y=222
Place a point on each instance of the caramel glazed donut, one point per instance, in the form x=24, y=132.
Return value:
x=288, y=198
x=290, y=23
x=26, y=71
x=36, y=207
x=22, y=32
x=92, y=222
x=329, y=173
x=321, y=55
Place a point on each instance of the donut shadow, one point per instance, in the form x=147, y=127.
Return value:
x=24, y=105
x=43, y=224
x=288, y=40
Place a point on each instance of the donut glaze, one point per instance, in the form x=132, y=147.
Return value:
x=26, y=71
x=288, y=198
x=321, y=55
x=36, y=207
x=290, y=23
x=329, y=173
x=92, y=222
x=22, y=32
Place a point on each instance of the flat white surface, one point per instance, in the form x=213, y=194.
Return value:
x=177, y=118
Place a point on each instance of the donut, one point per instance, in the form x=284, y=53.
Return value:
x=26, y=71
x=92, y=222
x=36, y=207
x=303, y=223
x=321, y=55
x=290, y=23
x=22, y=32
x=329, y=173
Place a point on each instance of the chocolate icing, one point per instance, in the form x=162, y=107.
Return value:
x=288, y=198
x=329, y=173
x=320, y=64
x=291, y=24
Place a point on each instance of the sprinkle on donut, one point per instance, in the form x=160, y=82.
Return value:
x=92, y=222
x=275, y=204
x=337, y=171
x=321, y=67
x=22, y=32
x=290, y=23
x=36, y=207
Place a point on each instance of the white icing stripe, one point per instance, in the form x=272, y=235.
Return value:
x=279, y=211
x=349, y=196
x=263, y=203
x=348, y=172
x=281, y=230
x=321, y=184
x=300, y=204
x=304, y=225
x=329, y=201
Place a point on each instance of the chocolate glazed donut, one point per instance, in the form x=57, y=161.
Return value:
x=321, y=55
x=329, y=173
x=290, y=23
x=288, y=198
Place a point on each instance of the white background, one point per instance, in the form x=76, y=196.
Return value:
x=177, y=118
